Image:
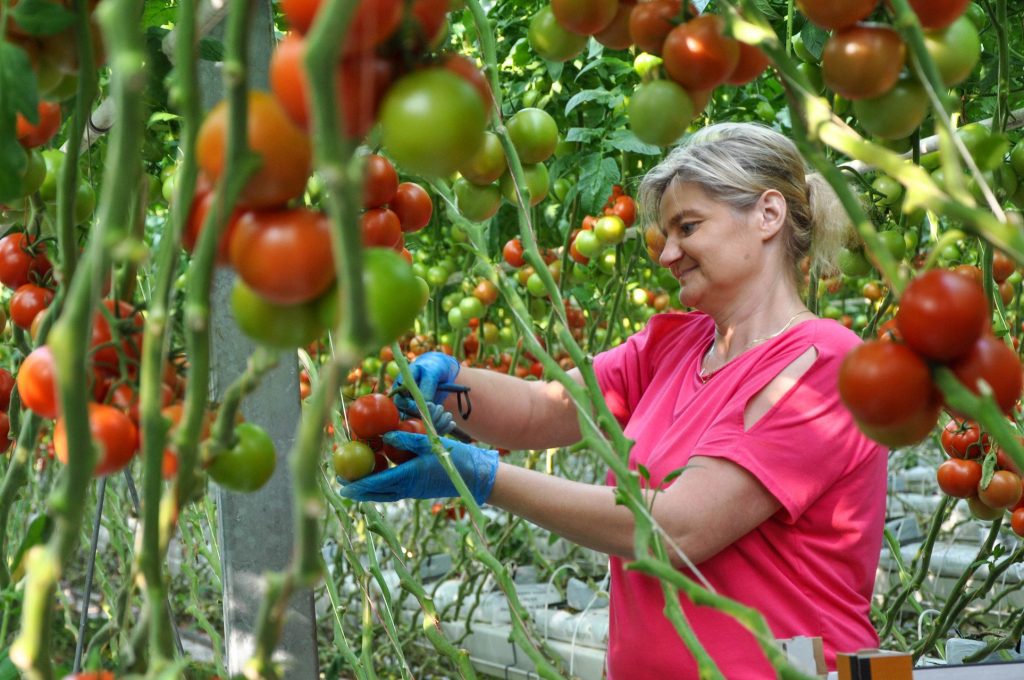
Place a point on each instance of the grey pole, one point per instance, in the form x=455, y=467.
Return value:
x=255, y=530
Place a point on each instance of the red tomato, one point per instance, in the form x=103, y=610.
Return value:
x=1002, y=266
x=752, y=63
x=915, y=427
x=5, y=432
x=113, y=433
x=651, y=22
x=125, y=397
x=413, y=206
x=201, y=204
x=28, y=301
x=942, y=314
x=863, y=61
x=428, y=19
x=380, y=182
x=698, y=55
x=1003, y=490
x=1017, y=521
x=834, y=14
x=371, y=416
x=284, y=255
x=6, y=385
x=1004, y=462
x=20, y=262
x=106, y=357
x=399, y=456
x=959, y=477
x=624, y=208
x=884, y=383
x=585, y=17
x=615, y=36
x=513, y=253
x=33, y=135
x=283, y=149
x=935, y=14
x=964, y=439
x=373, y=23
x=37, y=382
x=380, y=227
x=991, y=360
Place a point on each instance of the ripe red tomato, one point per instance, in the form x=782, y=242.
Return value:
x=884, y=383
x=371, y=416
x=585, y=17
x=911, y=430
x=37, y=382
x=1002, y=266
x=835, y=14
x=863, y=61
x=934, y=14
x=28, y=301
x=201, y=205
x=5, y=432
x=20, y=262
x=113, y=432
x=284, y=255
x=964, y=439
x=752, y=63
x=990, y=359
x=486, y=292
x=624, y=208
x=1003, y=490
x=413, y=206
x=698, y=55
x=414, y=425
x=942, y=314
x=91, y=675
x=428, y=20
x=373, y=23
x=651, y=22
x=615, y=36
x=105, y=355
x=380, y=227
x=6, y=385
x=380, y=181
x=959, y=477
x=513, y=253
x=33, y=135
x=283, y=148
x=1017, y=521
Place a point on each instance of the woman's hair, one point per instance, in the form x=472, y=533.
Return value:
x=735, y=163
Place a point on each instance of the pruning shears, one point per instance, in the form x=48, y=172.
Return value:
x=464, y=405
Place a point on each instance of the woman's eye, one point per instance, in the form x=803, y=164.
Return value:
x=686, y=228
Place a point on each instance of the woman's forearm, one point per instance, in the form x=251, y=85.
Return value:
x=585, y=514
x=514, y=413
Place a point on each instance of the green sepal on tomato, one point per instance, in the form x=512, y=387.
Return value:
x=248, y=464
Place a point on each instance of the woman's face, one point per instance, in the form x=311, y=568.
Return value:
x=714, y=252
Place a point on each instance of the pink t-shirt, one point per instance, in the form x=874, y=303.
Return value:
x=810, y=569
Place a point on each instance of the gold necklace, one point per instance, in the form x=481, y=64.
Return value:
x=704, y=377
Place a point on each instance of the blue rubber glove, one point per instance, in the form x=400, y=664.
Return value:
x=428, y=370
x=443, y=421
x=423, y=476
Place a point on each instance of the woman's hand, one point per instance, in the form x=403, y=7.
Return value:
x=423, y=476
x=431, y=371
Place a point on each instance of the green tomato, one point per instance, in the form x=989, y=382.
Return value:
x=1015, y=278
x=471, y=307
x=638, y=296
x=549, y=40
x=54, y=159
x=394, y=296
x=539, y=309
x=987, y=149
x=279, y=326
x=659, y=112
x=950, y=254
x=506, y=335
x=853, y=262
x=247, y=465
x=832, y=312
x=812, y=73
x=167, y=189
x=606, y=262
x=371, y=365
x=1017, y=158
x=561, y=188
x=490, y=333
x=895, y=114
x=610, y=230
x=458, y=234
x=589, y=244
x=534, y=134
x=34, y=175
x=911, y=239
x=437, y=276
x=477, y=203
x=645, y=64
x=955, y=50
x=353, y=460
x=418, y=268
x=889, y=189
x=487, y=164
x=894, y=243
x=535, y=285
x=450, y=301
x=392, y=369
x=456, y=319
x=564, y=148
x=85, y=202
x=536, y=184
x=977, y=15
x=432, y=122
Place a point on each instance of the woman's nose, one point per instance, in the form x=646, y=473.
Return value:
x=670, y=252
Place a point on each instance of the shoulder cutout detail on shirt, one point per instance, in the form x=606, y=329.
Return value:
x=777, y=388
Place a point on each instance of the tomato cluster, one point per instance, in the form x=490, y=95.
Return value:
x=25, y=269
x=596, y=234
x=369, y=417
x=942, y=320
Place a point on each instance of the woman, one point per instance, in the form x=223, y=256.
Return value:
x=781, y=505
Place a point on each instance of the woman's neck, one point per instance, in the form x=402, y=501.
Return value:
x=756, y=320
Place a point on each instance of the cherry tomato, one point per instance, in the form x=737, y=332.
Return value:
x=32, y=135
x=513, y=253
x=283, y=148
x=660, y=112
x=353, y=460
x=106, y=356
x=37, y=383
x=964, y=439
x=1002, y=266
x=467, y=69
x=413, y=206
x=373, y=22
x=371, y=416
x=28, y=301
x=550, y=40
x=651, y=22
x=486, y=292
x=698, y=55
x=6, y=386
x=959, y=477
x=615, y=36
x=1003, y=490
x=752, y=63
x=284, y=255
x=534, y=133
x=247, y=465
x=884, y=383
x=624, y=208
x=476, y=203
x=1017, y=521
x=585, y=17
x=281, y=326
x=990, y=359
x=487, y=164
x=380, y=182
x=380, y=227
x=112, y=431
x=21, y=262
x=863, y=61
x=201, y=205
x=942, y=314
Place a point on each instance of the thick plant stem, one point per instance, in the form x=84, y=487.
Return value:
x=15, y=478
x=69, y=338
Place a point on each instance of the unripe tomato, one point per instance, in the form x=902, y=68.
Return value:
x=660, y=111
x=477, y=203
x=112, y=431
x=550, y=40
x=610, y=230
x=537, y=183
x=353, y=460
x=955, y=50
x=534, y=134
x=983, y=512
x=247, y=465
x=585, y=17
x=281, y=326
x=488, y=163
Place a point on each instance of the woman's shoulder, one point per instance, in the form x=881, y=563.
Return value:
x=826, y=335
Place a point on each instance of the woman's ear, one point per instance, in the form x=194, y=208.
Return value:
x=770, y=211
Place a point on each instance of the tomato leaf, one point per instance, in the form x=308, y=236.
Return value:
x=814, y=39
x=625, y=140
x=583, y=134
x=644, y=472
x=672, y=476
x=988, y=468
x=585, y=96
x=38, y=532
x=211, y=49
x=42, y=17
